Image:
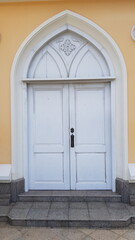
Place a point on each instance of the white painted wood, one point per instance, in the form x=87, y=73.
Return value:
x=48, y=131
x=70, y=80
x=69, y=56
x=89, y=165
x=91, y=157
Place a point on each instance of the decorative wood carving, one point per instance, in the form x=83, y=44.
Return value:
x=67, y=47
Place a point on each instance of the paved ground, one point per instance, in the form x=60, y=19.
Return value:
x=8, y=232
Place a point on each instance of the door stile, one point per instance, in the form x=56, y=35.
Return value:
x=108, y=136
x=72, y=125
x=66, y=141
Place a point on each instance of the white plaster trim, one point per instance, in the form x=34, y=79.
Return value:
x=5, y=172
x=131, y=167
x=133, y=32
x=46, y=80
x=119, y=89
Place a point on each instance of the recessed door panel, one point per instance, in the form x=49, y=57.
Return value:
x=89, y=110
x=48, y=115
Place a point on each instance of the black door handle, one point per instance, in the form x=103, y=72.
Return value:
x=72, y=141
x=72, y=138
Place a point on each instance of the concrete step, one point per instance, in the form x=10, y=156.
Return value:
x=5, y=199
x=69, y=214
x=70, y=196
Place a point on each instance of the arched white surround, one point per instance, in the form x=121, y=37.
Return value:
x=20, y=76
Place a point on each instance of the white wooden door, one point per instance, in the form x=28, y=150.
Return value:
x=90, y=118
x=48, y=133
x=53, y=111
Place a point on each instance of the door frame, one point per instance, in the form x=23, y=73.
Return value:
x=19, y=84
x=112, y=127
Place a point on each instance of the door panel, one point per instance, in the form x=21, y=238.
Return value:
x=90, y=167
x=89, y=105
x=49, y=151
x=91, y=159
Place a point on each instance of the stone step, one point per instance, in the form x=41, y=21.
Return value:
x=69, y=196
x=69, y=214
x=5, y=199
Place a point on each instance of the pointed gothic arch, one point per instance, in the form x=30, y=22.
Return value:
x=33, y=52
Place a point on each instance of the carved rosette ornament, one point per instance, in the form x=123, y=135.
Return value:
x=67, y=47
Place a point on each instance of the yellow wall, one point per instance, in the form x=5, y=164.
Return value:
x=17, y=20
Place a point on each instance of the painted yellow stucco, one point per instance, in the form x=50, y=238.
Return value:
x=18, y=20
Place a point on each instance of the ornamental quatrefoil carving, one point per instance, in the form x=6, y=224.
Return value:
x=67, y=47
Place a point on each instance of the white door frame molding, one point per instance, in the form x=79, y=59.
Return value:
x=113, y=57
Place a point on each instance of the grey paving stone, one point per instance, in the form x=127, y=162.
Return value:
x=116, y=205
x=41, y=205
x=79, y=205
x=23, y=205
x=118, y=211
x=36, y=223
x=58, y=214
x=38, y=214
x=21, y=223
x=4, y=210
x=59, y=205
x=96, y=205
x=131, y=209
x=3, y=219
x=19, y=214
x=79, y=223
x=76, y=195
x=58, y=224
x=118, y=214
x=99, y=214
x=108, y=223
x=78, y=214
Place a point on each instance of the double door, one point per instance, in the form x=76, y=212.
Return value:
x=69, y=136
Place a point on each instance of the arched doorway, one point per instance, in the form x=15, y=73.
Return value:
x=69, y=84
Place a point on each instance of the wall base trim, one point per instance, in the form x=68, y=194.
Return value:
x=127, y=190
x=131, y=168
x=11, y=190
x=5, y=172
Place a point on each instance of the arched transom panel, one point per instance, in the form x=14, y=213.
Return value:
x=68, y=55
